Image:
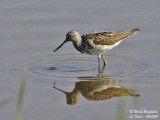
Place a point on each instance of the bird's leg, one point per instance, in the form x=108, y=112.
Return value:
x=105, y=62
x=99, y=75
x=99, y=63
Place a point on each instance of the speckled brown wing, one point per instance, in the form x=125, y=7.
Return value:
x=108, y=37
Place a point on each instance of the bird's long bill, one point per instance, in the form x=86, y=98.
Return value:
x=61, y=90
x=60, y=46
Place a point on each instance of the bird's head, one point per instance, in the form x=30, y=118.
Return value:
x=73, y=36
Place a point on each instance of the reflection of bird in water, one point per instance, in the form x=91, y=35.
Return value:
x=97, y=42
x=96, y=90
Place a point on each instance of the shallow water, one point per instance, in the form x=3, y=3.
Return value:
x=31, y=30
x=72, y=66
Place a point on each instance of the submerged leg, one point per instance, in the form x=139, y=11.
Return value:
x=104, y=61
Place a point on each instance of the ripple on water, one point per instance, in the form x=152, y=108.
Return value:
x=62, y=66
x=69, y=66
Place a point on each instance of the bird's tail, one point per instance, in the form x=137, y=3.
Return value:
x=125, y=34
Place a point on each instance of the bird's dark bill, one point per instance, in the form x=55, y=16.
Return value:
x=60, y=46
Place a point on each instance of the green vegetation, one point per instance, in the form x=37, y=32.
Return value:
x=21, y=97
x=121, y=108
x=6, y=101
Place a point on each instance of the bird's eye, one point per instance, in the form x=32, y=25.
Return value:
x=69, y=36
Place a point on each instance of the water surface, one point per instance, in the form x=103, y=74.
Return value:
x=31, y=30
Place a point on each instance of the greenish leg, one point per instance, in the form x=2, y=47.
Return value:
x=99, y=63
x=104, y=61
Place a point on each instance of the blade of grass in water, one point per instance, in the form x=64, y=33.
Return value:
x=121, y=108
x=6, y=101
x=21, y=97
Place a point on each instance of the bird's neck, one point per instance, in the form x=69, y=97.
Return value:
x=77, y=41
x=77, y=44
